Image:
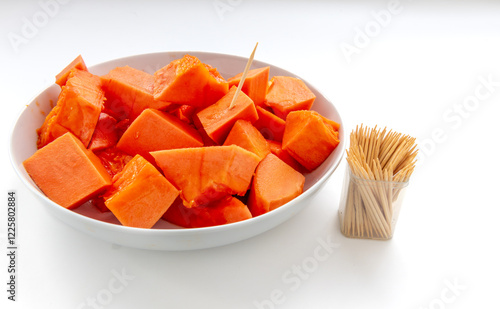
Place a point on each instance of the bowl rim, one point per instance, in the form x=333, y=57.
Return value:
x=182, y=231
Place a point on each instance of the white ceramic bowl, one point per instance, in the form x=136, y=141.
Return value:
x=165, y=236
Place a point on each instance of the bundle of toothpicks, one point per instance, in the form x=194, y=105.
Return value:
x=380, y=164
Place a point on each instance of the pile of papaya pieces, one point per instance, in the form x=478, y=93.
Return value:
x=171, y=145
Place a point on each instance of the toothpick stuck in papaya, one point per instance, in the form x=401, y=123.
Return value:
x=243, y=76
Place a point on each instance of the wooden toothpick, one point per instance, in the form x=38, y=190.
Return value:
x=243, y=76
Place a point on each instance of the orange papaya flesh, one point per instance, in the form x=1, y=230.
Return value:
x=113, y=159
x=278, y=151
x=122, y=126
x=77, y=111
x=189, y=81
x=216, y=84
x=207, y=140
x=206, y=174
x=178, y=214
x=218, y=119
x=269, y=125
x=115, y=107
x=226, y=210
x=156, y=130
x=50, y=129
x=77, y=63
x=309, y=138
x=98, y=202
x=286, y=94
x=245, y=135
x=129, y=92
x=255, y=85
x=139, y=195
x=184, y=113
x=275, y=183
x=67, y=172
x=105, y=133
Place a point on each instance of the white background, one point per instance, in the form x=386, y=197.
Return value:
x=414, y=66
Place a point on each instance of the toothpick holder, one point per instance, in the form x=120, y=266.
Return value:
x=369, y=209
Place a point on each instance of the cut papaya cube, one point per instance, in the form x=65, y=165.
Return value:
x=218, y=119
x=130, y=91
x=206, y=174
x=140, y=194
x=245, y=135
x=309, y=138
x=189, y=81
x=77, y=111
x=275, y=183
x=288, y=94
x=269, y=125
x=226, y=210
x=156, y=130
x=255, y=85
x=67, y=172
x=77, y=63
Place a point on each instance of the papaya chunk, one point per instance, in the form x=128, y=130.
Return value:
x=275, y=183
x=77, y=111
x=139, y=195
x=67, y=172
x=255, y=85
x=218, y=119
x=310, y=138
x=156, y=130
x=270, y=125
x=129, y=92
x=189, y=81
x=288, y=94
x=226, y=210
x=278, y=151
x=206, y=174
x=245, y=135
x=78, y=64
